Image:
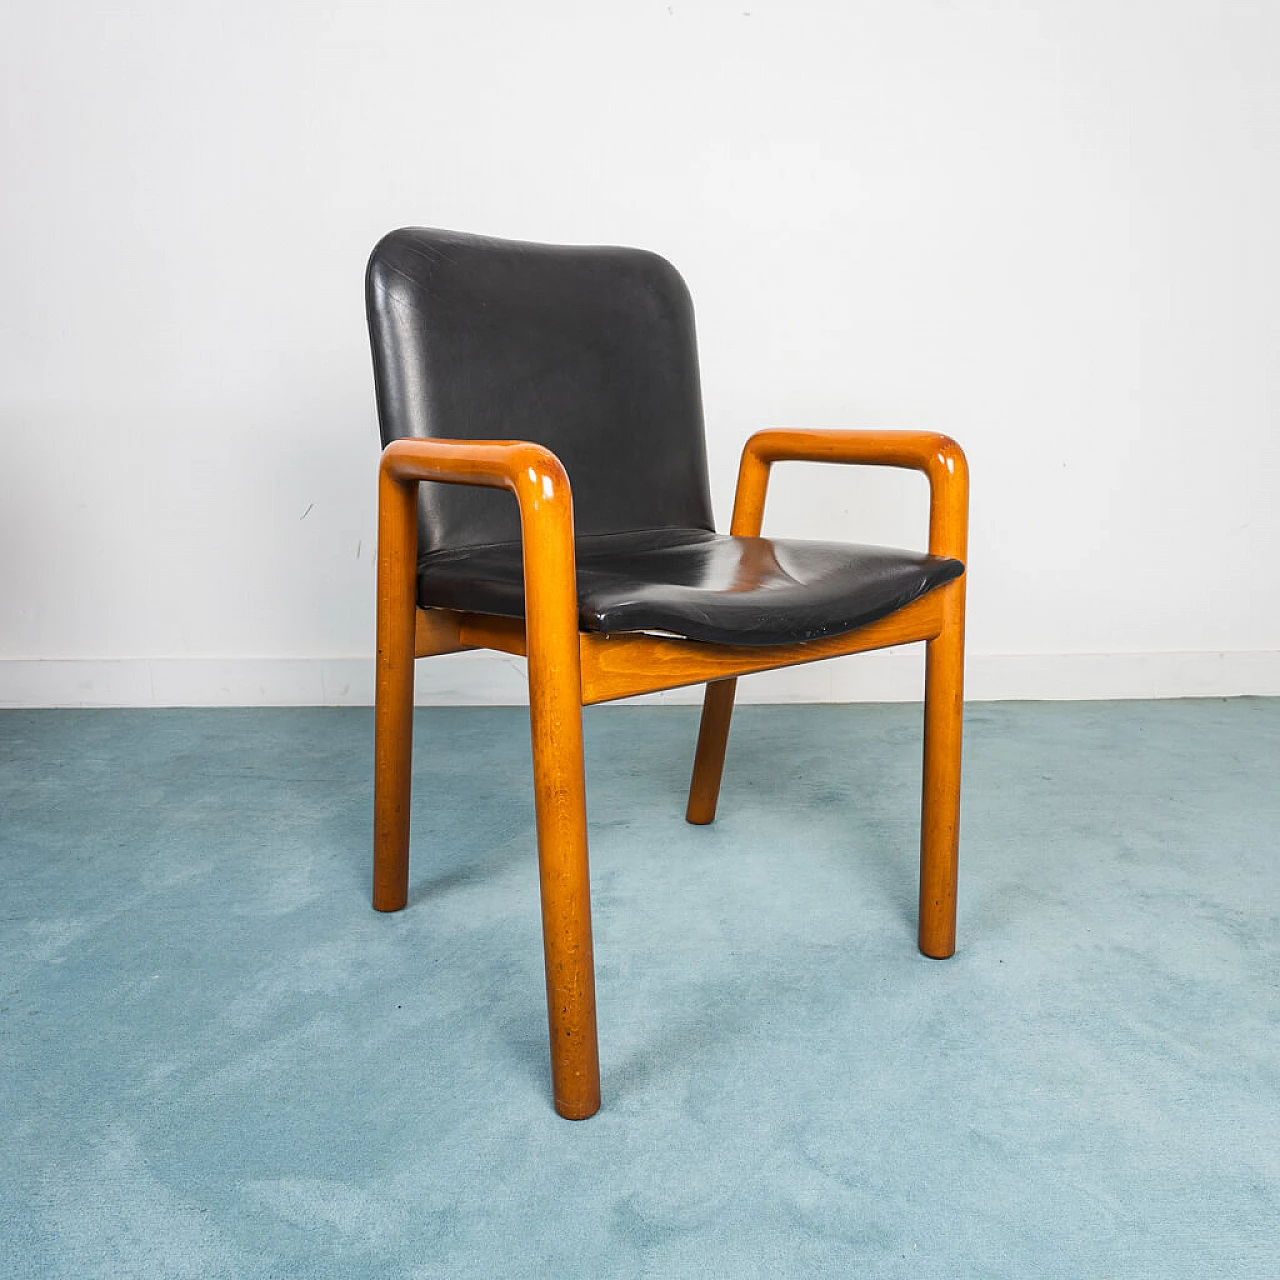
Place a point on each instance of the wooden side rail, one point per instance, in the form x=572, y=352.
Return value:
x=618, y=665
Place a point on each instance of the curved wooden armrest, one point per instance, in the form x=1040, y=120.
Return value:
x=541, y=487
x=938, y=456
x=533, y=473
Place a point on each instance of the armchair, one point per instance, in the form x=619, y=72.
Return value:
x=617, y=586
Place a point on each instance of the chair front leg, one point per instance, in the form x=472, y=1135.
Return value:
x=940, y=802
x=555, y=717
x=555, y=721
x=708, y=759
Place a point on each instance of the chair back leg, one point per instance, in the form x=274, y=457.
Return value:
x=393, y=693
x=940, y=805
x=392, y=786
x=708, y=759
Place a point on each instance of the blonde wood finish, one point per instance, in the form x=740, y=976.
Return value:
x=568, y=669
x=541, y=488
x=708, y=756
x=938, y=456
x=618, y=665
x=717, y=702
x=481, y=631
x=943, y=462
x=560, y=800
x=438, y=631
x=393, y=687
x=940, y=791
x=452, y=631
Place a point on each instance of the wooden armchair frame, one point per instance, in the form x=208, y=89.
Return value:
x=569, y=669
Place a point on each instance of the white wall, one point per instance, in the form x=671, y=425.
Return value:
x=1049, y=229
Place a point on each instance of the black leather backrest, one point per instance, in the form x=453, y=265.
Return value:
x=587, y=351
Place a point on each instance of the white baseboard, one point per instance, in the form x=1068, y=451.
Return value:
x=488, y=679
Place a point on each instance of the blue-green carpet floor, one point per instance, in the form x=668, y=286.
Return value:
x=217, y=1060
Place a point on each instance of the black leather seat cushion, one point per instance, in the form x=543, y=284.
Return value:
x=701, y=585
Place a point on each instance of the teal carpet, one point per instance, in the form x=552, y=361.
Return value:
x=217, y=1060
